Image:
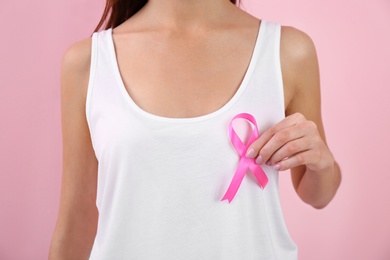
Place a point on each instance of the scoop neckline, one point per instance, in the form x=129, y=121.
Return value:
x=243, y=85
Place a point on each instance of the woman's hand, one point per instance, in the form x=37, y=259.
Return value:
x=292, y=142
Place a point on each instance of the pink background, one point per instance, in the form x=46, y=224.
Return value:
x=353, y=42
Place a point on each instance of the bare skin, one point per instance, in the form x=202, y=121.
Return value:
x=197, y=52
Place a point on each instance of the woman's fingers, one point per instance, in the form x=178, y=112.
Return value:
x=291, y=128
x=253, y=150
x=281, y=139
x=288, y=150
x=292, y=142
x=293, y=161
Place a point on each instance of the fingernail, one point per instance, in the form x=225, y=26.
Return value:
x=277, y=167
x=250, y=153
x=259, y=160
x=268, y=163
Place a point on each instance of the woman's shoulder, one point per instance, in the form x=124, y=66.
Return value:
x=77, y=57
x=296, y=45
x=297, y=54
x=75, y=68
x=75, y=71
x=299, y=64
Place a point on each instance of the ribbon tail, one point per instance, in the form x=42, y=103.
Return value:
x=236, y=181
x=259, y=174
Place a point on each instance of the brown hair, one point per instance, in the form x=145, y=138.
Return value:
x=119, y=11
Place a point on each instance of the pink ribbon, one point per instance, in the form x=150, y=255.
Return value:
x=244, y=162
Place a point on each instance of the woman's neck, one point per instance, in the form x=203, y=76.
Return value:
x=187, y=14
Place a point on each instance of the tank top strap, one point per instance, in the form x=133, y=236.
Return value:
x=264, y=95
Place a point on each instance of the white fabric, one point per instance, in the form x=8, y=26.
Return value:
x=160, y=180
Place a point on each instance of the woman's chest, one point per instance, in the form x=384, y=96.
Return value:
x=183, y=78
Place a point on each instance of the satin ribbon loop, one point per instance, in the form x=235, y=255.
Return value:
x=244, y=163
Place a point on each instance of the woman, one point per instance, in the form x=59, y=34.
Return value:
x=146, y=107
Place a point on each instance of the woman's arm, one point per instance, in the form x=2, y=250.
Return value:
x=298, y=141
x=318, y=183
x=77, y=220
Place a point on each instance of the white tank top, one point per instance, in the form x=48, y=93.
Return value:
x=161, y=180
